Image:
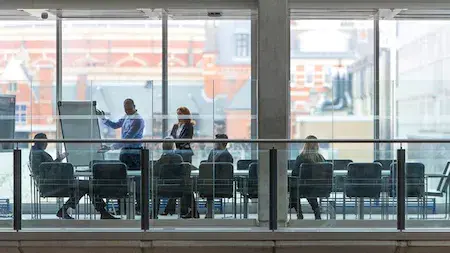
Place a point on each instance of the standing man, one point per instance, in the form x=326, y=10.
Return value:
x=132, y=125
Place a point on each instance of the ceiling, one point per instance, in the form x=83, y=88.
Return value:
x=234, y=14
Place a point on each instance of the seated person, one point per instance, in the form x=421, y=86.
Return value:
x=170, y=156
x=38, y=155
x=309, y=154
x=167, y=157
x=220, y=152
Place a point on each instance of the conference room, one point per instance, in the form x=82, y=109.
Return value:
x=362, y=97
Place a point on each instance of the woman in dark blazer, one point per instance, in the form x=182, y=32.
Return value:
x=184, y=129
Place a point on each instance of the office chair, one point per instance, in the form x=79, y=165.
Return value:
x=215, y=181
x=363, y=181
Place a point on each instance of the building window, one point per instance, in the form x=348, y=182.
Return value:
x=242, y=44
x=328, y=75
x=13, y=87
x=309, y=75
x=21, y=114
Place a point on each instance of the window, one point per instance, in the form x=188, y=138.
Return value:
x=328, y=75
x=242, y=45
x=309, y=75
x=13, y=87
x=21, y=114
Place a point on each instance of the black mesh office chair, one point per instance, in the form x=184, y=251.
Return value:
x=174, y=182
x=110, y=181
x=311, y=180
x=339, y=164
x=244, y=164
x=55, y=180
x=252, y=183
x=215, y=181
x=363, y=181
x=386, y=164
x=415, y=184
x=442, y=187
x=291, y=165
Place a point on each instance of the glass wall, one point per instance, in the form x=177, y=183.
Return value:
x=414, y=91
x=209, y=65
x=332, y=85
x=27, y=97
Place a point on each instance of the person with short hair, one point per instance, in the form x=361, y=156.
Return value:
x=220, y=153
x=132, y=126
x=38, y=155
x=169, y=156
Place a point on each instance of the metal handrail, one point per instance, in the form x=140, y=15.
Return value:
x=226, y=140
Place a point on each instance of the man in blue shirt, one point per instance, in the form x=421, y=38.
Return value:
x=132, y=125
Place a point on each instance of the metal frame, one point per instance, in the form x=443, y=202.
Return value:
x=376, y=84
x=165, y=73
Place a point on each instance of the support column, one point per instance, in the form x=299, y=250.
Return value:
x=273, y=100
x=253, y=85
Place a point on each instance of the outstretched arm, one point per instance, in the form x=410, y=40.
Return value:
x=112, y=124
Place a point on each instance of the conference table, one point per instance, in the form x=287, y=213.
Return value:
x=85, y=173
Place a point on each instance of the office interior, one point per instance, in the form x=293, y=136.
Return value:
x=252, y=71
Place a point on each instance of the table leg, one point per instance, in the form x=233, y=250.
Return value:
x=131, y=200
x=209, y=208
x=361, y=208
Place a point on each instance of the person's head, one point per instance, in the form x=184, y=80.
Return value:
x=221, y=145
x=311, y=147
x=129, y=107
x=40, y=145
x=184, y=115
x=168, y=145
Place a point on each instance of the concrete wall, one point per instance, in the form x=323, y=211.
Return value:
x=224, y=242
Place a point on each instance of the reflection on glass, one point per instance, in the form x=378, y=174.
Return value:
x=332, y=83
x=210, y=73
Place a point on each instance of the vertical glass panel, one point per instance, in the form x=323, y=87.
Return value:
x=104, y=63
x=332, y=97
x=332, y=83
x=414, y=53
x=210, y=74
x=27, y=91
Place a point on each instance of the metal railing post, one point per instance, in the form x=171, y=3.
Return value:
x=17, y=185
x=273, y=189
x=401, y=189
x=145, y=189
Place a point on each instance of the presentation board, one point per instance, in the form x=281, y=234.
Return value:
x=8, y=120
x=79, y=121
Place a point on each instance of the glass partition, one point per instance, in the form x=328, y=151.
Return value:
x=27, y=98
x=332, y=84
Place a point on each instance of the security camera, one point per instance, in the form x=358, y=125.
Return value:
x=215, y=14
x=44, y=15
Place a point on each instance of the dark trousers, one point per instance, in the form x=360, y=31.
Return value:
x=82, y=190
x=131, y=157
x=187, y=203
x=295, y=203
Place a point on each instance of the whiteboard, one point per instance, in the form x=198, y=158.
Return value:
x=79, y=121
x=7, y=119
